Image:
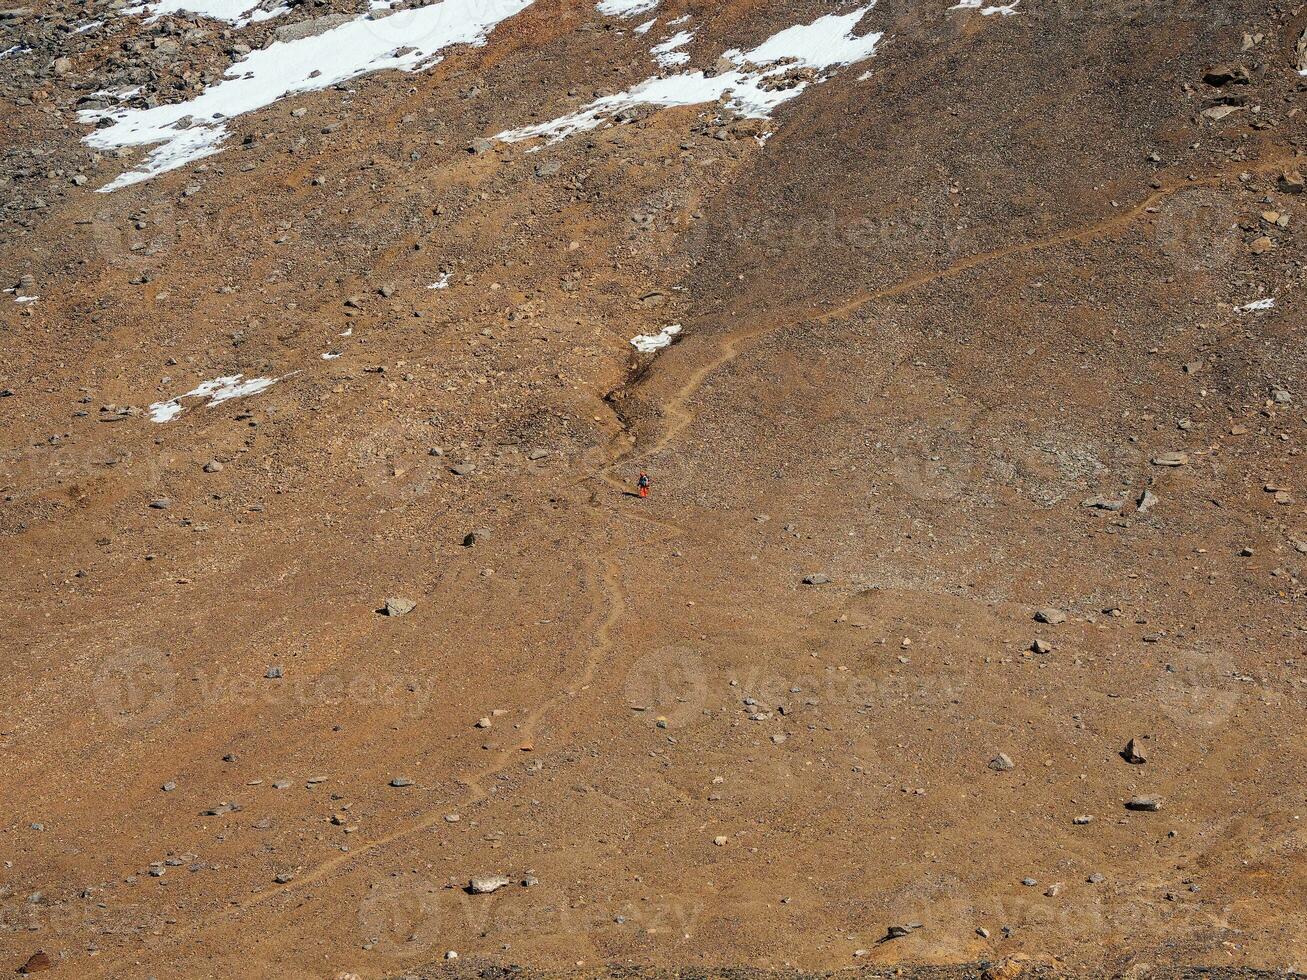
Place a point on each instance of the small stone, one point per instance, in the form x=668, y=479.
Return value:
x=1050, y=616
x=816, y=578
x=1002, y=763
x=400, y=782
x=463, y=469
x=451, y=818
x=1083, y=820
x=485, y=884
x=273, y=673
x=1290, y=181
x=1096, y=878
x=399, y=606
x=1039, y=646
x=168, y=787
x=484, y=722
x=1053, y=890
x=720, y=840
x=898, y=932
x=480, y=146
x=1103, y=503
x=451, y=955
x=1029, y=882
x=1261, y=245
x=1147, y=501
x=475, y=537
x=1133, y=752
x=162, y=503
x=1146, y=804
x=213, y=466
x=283, y=877
x=537, y=454
x=1281, y=397
x=1171, y=459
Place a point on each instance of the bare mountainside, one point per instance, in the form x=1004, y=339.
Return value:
x=961, y=632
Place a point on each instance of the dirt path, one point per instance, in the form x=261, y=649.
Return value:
x=731, y=345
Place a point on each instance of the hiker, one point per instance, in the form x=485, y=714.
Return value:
x=644, y=483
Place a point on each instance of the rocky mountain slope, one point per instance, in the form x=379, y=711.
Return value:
x=964, y=624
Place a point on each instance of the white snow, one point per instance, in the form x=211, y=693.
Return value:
x=825, y=44
x=88, y=26
x=216, y=391
x=1258, y=304
x=331, y=355
x=13, y=52
x=665, y=53
x=442, y=282
x=625, y=8
x=1007, y=10
x=26, y=299
x=191, y=130
x=647, y=343
x=646, y=26
x=349, y=332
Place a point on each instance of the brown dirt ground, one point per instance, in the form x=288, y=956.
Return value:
x=940, y=309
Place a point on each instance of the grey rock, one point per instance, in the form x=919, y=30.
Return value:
x=1050, y=616
x=399, y=782
x=163, y=503
x=310, y=28
x=485, y=884
x=398, y=606
x=1002, y=763
x=1171, y=459
x=816, y=578
x=1103, y=503
x=1146, y=804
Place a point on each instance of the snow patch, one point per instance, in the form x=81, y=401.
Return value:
x=647, y=343
x=825, y=44
x=217, y=391
x=646, y=26
x=625, y=8
x=189, y=131
x=665, y=53
x=1006, y=10
x=1258, y=304
x=13, y=52
x=442, y=282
